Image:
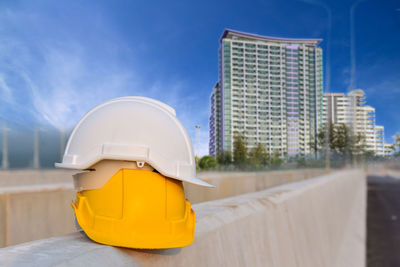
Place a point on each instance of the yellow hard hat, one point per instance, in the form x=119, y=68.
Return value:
x=130, y=191
x=136, y=208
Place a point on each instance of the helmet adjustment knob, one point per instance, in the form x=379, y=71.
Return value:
x=140, y=164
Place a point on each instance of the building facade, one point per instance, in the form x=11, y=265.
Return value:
x=269, y=91
x=351, y=110
x=214, y=144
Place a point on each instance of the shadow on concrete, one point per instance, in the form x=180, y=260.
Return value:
x=169, y=251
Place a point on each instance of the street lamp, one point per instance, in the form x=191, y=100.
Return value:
x=197, y=139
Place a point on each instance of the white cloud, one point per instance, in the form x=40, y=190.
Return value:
x=56, y=79
x=68, y=86
x=5, y=90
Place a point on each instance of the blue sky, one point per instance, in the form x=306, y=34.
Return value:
x=58, y=59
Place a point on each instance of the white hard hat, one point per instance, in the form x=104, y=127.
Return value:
x=133, y=129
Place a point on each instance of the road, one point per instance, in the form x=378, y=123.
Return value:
x=383, y=222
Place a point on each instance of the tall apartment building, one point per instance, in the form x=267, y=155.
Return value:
x=351, y=110
x=269, y=91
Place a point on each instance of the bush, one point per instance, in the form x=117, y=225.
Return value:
x=207, y=162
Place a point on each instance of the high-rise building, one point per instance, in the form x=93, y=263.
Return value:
x=351, y=110
x=215, y=121
x=269, y=91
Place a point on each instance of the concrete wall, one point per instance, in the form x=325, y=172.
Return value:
x=35, y=212
x=34, y=177
x=317, y=222
x=36, y=204
x=230, y=184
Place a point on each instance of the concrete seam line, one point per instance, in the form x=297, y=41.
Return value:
x=7, y=220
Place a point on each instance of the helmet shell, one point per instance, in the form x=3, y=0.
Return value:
x=137, y=209
x=133, y=129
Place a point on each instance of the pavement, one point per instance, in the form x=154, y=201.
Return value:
x=383, y=221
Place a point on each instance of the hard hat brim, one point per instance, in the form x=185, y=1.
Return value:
x=197, y=181
x=191, y=180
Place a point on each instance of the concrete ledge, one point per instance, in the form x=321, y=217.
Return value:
x=317, y=222
x=34, y=177
x=230, y=184
x=34, y=212
x=35, y=204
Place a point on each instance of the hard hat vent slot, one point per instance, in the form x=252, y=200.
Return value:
x=140, y=164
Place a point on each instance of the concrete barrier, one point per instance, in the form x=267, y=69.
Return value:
x=34, y=177
x=317, y=222
x=36, y=205
x=230, y=184
x=34, y=212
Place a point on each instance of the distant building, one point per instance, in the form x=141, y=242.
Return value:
x=351, y=110
x=388, y=149
x=269, y=91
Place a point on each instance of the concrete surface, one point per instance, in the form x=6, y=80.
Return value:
x=35, y=212
x=34, y=177
x=35, y=204
x=317, y=222
x=228, y=184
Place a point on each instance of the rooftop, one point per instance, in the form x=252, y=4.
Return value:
x=228, y=33
x=333, y=94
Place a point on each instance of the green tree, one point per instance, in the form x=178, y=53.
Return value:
x=239, y=152
x=342, y=142
x=396, y=145
x=258, y=157
x=207, y=162
x=321, y=137
x=358, y=144
x=276, y=160
x=300, y=161
x=224, y=158
x=196, y=160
